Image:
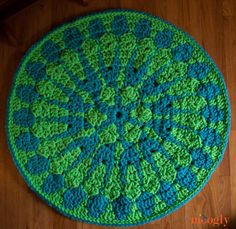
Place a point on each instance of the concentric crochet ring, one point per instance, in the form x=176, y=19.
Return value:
x=117, y=118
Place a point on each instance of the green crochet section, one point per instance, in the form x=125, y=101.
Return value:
x=117, y=118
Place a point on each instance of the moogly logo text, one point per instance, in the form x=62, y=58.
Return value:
x=215, y=221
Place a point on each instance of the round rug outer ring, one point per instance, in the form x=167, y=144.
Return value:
x=130, y=131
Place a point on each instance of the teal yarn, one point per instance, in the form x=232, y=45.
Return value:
x=117, y=118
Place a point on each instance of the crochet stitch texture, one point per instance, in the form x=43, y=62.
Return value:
x=117, y=118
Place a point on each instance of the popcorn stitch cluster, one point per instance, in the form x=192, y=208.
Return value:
x=117, y=118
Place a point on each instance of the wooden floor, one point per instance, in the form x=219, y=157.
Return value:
x=211, y=22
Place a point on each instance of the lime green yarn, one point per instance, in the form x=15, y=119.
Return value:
x=76, y=175
x=109, y=135
x=150, y=181
x=108, y=95
x=189, y=139
x=131, y=132
x=113, y=187
x=143, y=114
x=129, y=95
x=132, y=189
x=93, y=184
x=95, y=117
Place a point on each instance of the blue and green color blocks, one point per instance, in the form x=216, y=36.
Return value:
x=117, y=118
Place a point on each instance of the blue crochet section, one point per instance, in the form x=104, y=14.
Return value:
x=182, y=52
x=73, y=197
x=97, y=205
x=210, y=137
x=27, y=142
x=213, y=114
x=121, y=207
x=201, y=159
x=53, y=183
x=73, y=38
x=36, y=70
x=167, y=193
x=209, y=91
x=24, y=117
x=146, y=203
x=27, y=93
x=51, y=51
x=96, y=28
x=37, y=165
x=120, y=25
x=198, y=70
x=163, y=38
x=186, y=178
x=143, y=28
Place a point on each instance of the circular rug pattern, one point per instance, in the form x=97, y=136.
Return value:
x=117, y=118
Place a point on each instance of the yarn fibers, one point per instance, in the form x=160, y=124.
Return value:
x=117, y=118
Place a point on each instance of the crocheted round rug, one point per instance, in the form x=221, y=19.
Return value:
x=117, y=118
